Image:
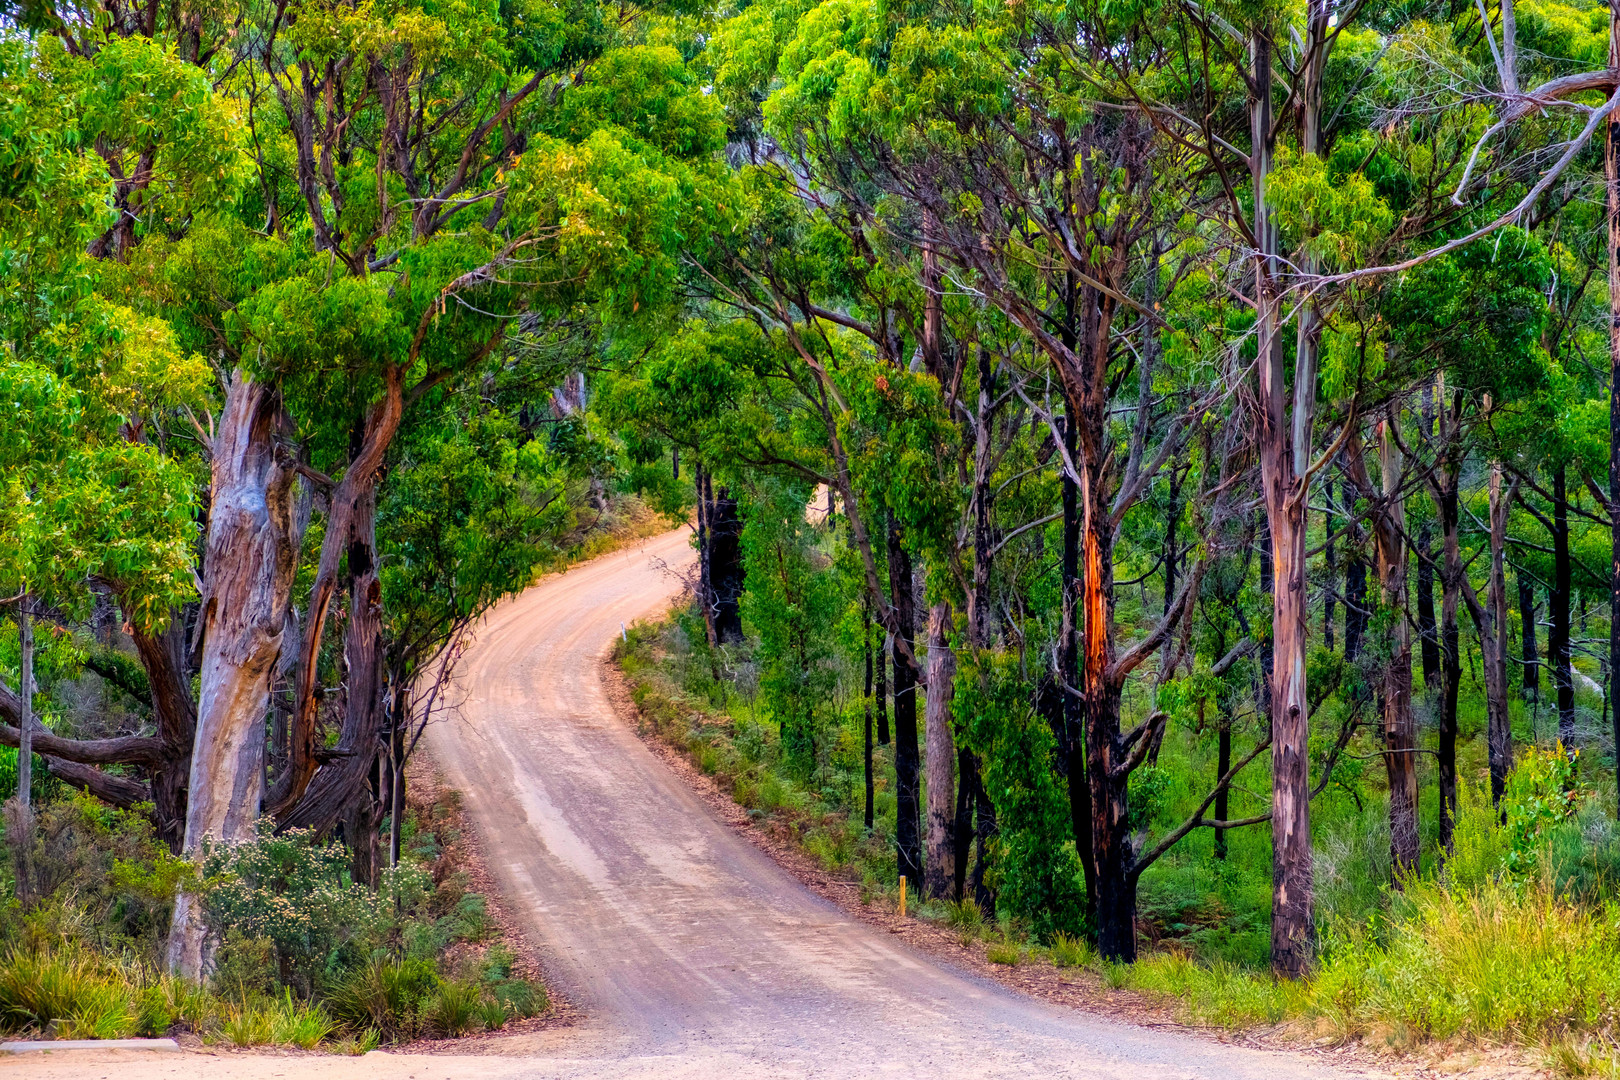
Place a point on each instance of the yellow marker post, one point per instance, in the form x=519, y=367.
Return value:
x=902, y=896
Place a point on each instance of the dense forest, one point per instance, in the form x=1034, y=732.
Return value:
x=1130, y=448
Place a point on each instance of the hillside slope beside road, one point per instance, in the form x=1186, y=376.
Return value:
x=690, y=952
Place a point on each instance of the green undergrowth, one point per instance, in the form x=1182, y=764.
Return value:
x=1511, y=939
x=706, y=703
x=303, y=955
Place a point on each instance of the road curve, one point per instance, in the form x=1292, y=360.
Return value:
x=691, y=953
x=687, y=947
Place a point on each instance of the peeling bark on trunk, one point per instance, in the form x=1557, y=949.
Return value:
x=940, y=860
x=1284, y=448
x=247, y=573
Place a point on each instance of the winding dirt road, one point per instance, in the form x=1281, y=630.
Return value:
x=690, y=952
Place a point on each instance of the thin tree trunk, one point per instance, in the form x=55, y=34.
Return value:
x=1400, y=731
x=705, y=534
x=1330, y=561
x=1558, y=644
x=881, y=695
x=1491, y=621
x=1611, y=176
x=866, y=638
x=1427, y=634
x=25, y=725
x=1530, y=655
x=967, y=771
x=940, y=861
x=247, y=574
x=908, y=839
x=1451, y=586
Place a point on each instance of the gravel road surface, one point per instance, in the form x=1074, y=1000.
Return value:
x=689, y=951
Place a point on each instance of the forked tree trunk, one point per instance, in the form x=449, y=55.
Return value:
x=341, y=782
x=248, y=569
x=940, y=760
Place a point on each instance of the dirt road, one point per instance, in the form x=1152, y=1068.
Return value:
x=691, y=952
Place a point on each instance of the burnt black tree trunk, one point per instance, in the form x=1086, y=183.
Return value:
x=1068, y=676
x=967, y=771
x=908, y=824
x=726, y=568
x=705, y=510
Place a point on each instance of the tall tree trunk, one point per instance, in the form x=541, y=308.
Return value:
x=908, y=839
x=1558, y=600
x=248, y=569
x=1284, y=447
x=1282, y=484
x=940, y=861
